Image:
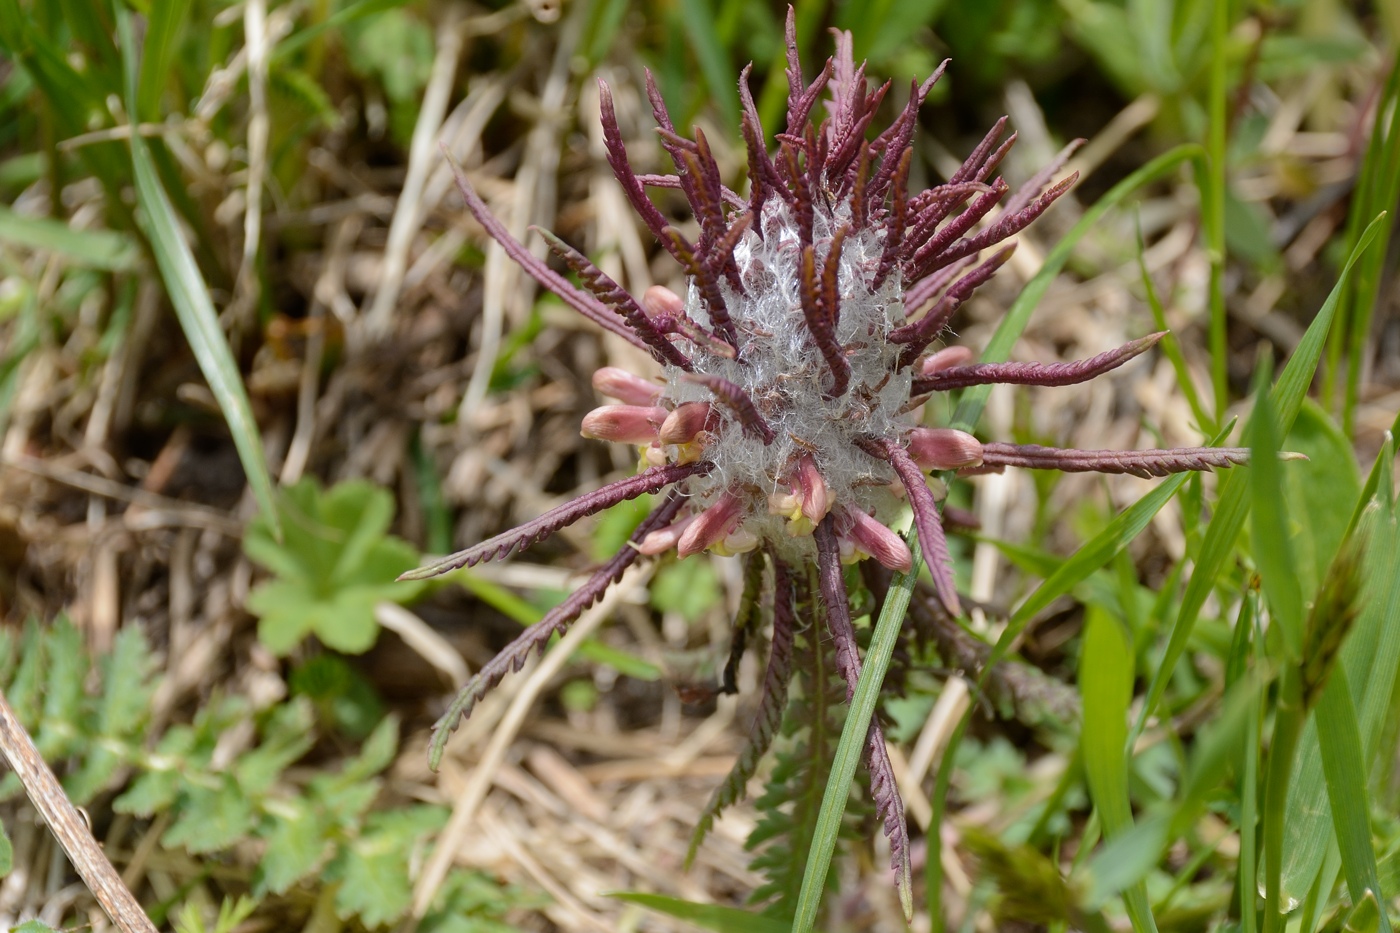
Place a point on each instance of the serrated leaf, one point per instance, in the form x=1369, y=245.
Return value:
x=126, y=685
x=362, y=512
x=33, y=926
x=296, y=846
x=99, y=766
x=63, y=691
x=373, y=871
x=25, y=691
x=151, y=793
x=333, y=564
x=287, y=736
x=211, y=818
x=347, y=624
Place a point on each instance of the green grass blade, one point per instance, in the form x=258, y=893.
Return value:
x=1212, y=180
x=1370, y=658
x=1382, y=467
x=347, y=14
x=1339, y=739
x=1273, y=552
x=1009, y=330
x=1172, y=347
x=1106, y=685
x=1093, y=556
x=850, y=750
x=1219, y=544
x=95, y=249
x=193, y=306
x=709, y=916
x=1380, y=187
x=163, y=30
x=699, y=19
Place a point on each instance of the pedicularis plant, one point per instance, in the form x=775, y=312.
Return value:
x=786, y=419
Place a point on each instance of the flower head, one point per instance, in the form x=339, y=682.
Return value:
x=784, y=416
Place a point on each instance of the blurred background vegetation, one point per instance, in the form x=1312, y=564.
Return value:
x=235, y=282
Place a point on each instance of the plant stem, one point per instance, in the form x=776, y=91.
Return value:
x=68, y=825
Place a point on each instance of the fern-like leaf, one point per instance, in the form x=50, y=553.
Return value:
x=770, y=711
x=791, y=804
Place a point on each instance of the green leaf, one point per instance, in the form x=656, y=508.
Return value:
x=850, y=748
x=709, y=916
x=64, y=701
x=1343, y=765
x=211, y=818
x=95, y=249
x=7, y=852
x=699, y=19
x=151, y=793
x=286, y=737
x=334, y=563
x=296, y=846
x=1323, y=489
x=1106, y=685
x=286, y=614
x=164, y=26
x=1219, y=544
x=374, y=870
x=33, y=926
x=347, y=623
x=377, y=753
x=1370, y=658
x=126, y=685
x=1272, y=549
x=190, y=297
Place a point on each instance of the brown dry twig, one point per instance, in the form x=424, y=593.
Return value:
x=68, y=825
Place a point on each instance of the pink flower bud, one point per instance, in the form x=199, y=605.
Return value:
x=663, y=539
x=626, y=387
x=944, y=448
x=946, y=358
x=624, y=424
x=660, y=301
x=710, y=526
x=873, y=538
x=688, y=420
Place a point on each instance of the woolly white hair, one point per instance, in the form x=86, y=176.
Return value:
x=782, y=370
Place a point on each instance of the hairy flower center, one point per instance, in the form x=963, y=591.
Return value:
x=781, y=368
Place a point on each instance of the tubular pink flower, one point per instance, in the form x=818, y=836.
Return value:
x=711, y=526
x=944, y=448
x=946, y=358
x=624, y=424
x=688, y=420
x=873, y=538
x=626, y=387
x=658, y=301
